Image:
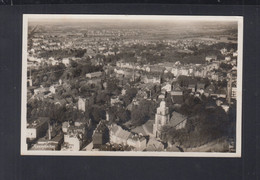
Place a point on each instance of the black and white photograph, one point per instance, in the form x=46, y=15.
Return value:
x=132, y=85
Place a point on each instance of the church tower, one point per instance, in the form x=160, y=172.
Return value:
x=162, y=118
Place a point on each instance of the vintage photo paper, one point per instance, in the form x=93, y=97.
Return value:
x=132, y=85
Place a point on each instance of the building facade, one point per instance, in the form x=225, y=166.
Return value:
x=161, y=118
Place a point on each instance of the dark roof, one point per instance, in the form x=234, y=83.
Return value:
x=178, y=99
x=38, y=122
x=119, y=132
x=157, y=68
x=154, y=145
x=200, y=85
x=144, y=129
x=210, y=89
x=177, y=118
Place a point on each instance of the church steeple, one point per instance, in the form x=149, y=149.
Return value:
x=162, y=118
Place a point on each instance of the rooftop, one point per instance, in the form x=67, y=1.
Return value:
x=145, y=129
x=177, y=118
x=38, y=122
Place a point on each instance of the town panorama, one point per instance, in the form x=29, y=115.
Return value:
x=131, y=85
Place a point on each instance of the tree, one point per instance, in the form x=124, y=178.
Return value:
x=225, y=66
x=143, y=112
x=112, y=87
x=102, y=97
x=97, y=114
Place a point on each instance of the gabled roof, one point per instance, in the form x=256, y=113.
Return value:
x=154, y=145
x=120, y=132
x=191, y=86
x=176, y=88
x=123, y=134
x=210, y=89
x=145, y=129
x=177, y=118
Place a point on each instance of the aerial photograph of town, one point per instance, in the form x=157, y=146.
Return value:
x=131, y=84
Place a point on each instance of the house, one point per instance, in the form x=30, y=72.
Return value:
x=142, y=94
x=118, y=135
x=200, y=88
x=175, y=71
x=192, y=87
x=156, y=69
x=96, y=62
x=53, y=88
x=145, y=129
x=137, y=141
x=225, y=107
x=71, y=143
x=161, y=97
x=85, y=102
x=65, y=61
x=177, y=94
x=220, y=93
x=209, y=90
x=81, y=122
x=183, y=72
x=154, y=145
x=152, y=79
x=167, y=87
x=94, y=75
x=227, y=58
x=65, y=126
x=178, y=121
x=211, y=58
x=95, y=83
x=100, y=135
x=122, y=64
x=115, y=100
x=234, y=92
x=41, y=90
x=223, y=51
x=37, y=128
x=77, y=130
x=211, y=104
x=74, y=138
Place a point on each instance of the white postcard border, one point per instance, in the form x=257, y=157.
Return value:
x=23, y=145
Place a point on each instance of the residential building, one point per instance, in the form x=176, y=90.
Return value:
x=152, y=79
x=94, y=75
x=154, y=145
x=37, y=128
x=66, y=61
x=48, y=144
x=100, y=135
x=84, y=102
x=200, y=88
x=137, y=141
x=211, y=58
x=118, y=135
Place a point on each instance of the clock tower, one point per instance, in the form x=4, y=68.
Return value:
x=162, y=118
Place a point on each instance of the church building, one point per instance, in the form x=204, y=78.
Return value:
x=162, y=118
